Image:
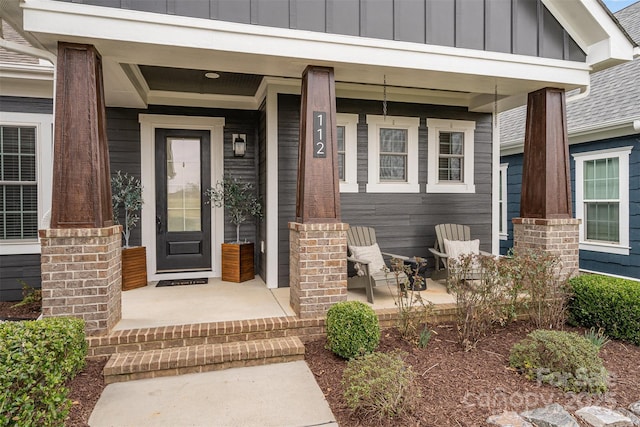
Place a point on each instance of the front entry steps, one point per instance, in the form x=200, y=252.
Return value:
x=136, y=365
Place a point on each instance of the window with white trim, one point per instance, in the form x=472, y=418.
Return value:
x=393, y=154
x=451, y=156
x=347, y=148
x=602, y=199
x=18, y=183
x=502, y=201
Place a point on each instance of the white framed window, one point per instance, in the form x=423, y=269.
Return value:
x=393, y=154
x=25, y=180
x=602, y=199
x=502, y=201
x=347, y=147
x=450, y=156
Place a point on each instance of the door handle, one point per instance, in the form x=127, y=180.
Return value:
x=158, y=224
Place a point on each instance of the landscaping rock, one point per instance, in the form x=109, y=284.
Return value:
x=553, y=415
x=597, y=416
x=633, y=417
x=635, y=408
x=508, y=419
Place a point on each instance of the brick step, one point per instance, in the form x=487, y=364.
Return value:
x=201, y=358
x=164, y=337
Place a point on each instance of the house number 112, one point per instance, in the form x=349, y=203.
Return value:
x=319, y=134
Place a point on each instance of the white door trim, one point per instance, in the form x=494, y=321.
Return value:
x=148, y=124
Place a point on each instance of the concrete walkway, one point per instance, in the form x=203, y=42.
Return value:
x=278, y=395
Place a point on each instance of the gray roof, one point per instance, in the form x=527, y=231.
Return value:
x=614, y=93
x=10, y=57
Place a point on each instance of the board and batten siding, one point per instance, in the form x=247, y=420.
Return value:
x=607, y=263
x=19, y=268
x=404, y=223
x=522, y=27
x=123, y=133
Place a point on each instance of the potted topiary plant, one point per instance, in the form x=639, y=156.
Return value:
x=126, y=195
x=240, y=203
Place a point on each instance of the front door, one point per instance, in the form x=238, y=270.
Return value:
x=183, y=220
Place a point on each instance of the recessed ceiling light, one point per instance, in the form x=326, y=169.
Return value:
x=212, y=75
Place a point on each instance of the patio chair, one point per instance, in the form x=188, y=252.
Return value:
x=365, y=255
x=454, y=234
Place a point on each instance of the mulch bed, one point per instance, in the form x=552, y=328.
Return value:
x=9, y=311
x=458, y=388
x=464, y=388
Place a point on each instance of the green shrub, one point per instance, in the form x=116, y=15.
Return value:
x=380, y=385
x=606, y=302
x=36, y=359
x=563, y=359
x=352, y=329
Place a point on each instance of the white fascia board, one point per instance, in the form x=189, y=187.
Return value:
x=26, y=71
x=159, y=97
x=593, y=29
x=70, y=20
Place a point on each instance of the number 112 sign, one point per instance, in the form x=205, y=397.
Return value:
x=319, y=134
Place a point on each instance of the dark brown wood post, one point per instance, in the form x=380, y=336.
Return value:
x=81, y=178
x=318, y=198
x=546, y=188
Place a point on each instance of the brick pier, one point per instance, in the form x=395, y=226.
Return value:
x=557, y=236
x=318, y=267
x=81, y=275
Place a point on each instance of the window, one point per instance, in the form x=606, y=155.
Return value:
x=602, y=200
x=25, y=179
x=450, y=154
x=347, y=144
x=18, y=186
x=502, y=201
x=393, y=154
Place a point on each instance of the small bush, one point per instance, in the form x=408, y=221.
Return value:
x=598, y=338
x=353, y=329
x=482, y=295
x=606, y=302
x=380, y=385
x=36, y=359
x=413, y=310
x=562, y=359
x=536, y=273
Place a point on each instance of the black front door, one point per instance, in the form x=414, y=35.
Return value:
x=183, y=220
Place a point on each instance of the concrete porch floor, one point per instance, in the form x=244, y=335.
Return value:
x=222, y=301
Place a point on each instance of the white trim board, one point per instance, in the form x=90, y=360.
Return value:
x=148, y=124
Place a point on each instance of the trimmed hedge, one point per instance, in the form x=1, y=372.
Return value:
x=563, y=359
x=36, y=360
x=353, y=329
x=609, y=303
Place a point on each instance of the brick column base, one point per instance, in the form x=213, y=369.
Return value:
x=557, y=236
x=81, y=275
x=317, y=267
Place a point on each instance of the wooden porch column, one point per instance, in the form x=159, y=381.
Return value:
x=318, y=240
x=81, y=252
x=81, y=178
x=546, y=188
x=546, y=221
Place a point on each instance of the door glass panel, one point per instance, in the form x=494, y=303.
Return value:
x=184, y=187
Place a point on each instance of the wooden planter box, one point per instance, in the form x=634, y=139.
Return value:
x=134, y=268
x=237, y=262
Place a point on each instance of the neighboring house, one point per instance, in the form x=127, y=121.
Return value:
x=26, y=117
x=417, y=86
x=604, y=138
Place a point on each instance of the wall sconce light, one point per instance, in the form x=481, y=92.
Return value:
x=239, y=144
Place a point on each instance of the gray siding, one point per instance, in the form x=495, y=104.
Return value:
x=262, y=231
x=123, y=132
x=22, y=267
x=17, y=104
x=16, y=269
x=404, y=222
x=514, y=26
